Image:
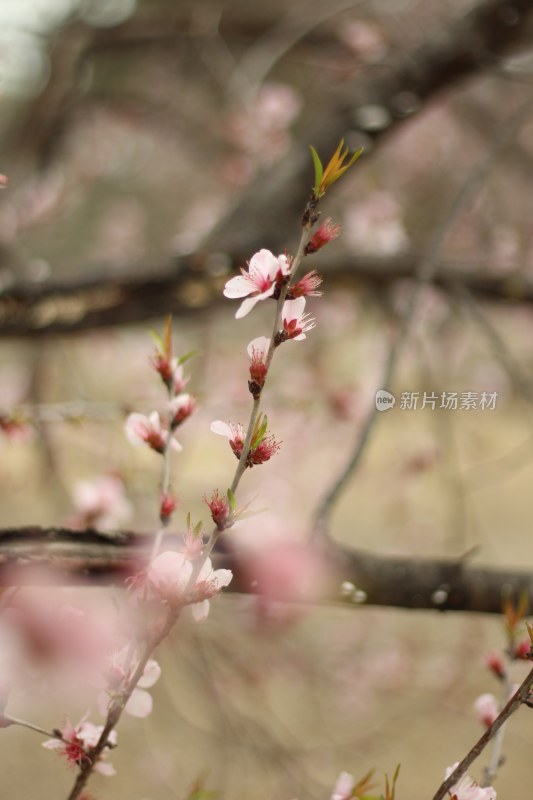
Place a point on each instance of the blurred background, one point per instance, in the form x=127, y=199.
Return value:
x=150, y=149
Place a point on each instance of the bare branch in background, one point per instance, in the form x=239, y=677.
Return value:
x=192, y=286
x=91, y=557
x=423, y=275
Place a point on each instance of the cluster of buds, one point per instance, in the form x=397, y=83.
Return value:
x=151, y=430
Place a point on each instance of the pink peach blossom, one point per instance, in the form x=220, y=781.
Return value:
x=258, y=350
x=295, y=322
x=170, y=574
x=181, y=407
x=467, y=789
x=260, y=281
x=343, y=787
x=141, y=429
x=101, y=502
x=76, y=741
x=487, y=709
x=140, y=703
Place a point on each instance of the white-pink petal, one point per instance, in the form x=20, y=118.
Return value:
x=137, y=427
x=151, y=674
x=105, y=768
x=293, y=309
x=240, y=286
x=140, y=704
x=169, y=574
x=343, y=787
x=53, y=744
x=487, y=708
x=259, y=347
x=200, y=611
x=247, y=305
x=222, y=428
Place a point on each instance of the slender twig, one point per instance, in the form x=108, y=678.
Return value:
x=117, y=706
x=519, y=697
x=7, y=719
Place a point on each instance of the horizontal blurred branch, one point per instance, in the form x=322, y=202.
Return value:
x=66, y=556
x=193, y=285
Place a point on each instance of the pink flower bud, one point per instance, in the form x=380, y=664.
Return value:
x=181, y=407
x=258, y=351
x=295, y=322
x=163, y=365
x=169, y=504
x=522, y=650
x=495, y=663
x=325, y=234
x=306, y=286
x=220, y=510
x=486, y=708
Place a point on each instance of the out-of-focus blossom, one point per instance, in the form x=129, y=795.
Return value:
x=261, y=130
x=15, y=428
x=258, y=351
x=343, y=787
x=306, y=286
x=168, y=505
x=220, y=509
x=3, y=181
x=181, y=407
x=364, y=39
x=522, y=649
x=467, y=788
x=495, y=663
x=296, y=323
x=487, y=709
x=78, y=740
x=288, y=571
x=375, y=225
x=140, y=703
x=264, y=270
x=170, y=574
x=141, y=429
x=101, y=502
x=179, y=379
x=327, y=232
x=58, y=639
x=164, y=366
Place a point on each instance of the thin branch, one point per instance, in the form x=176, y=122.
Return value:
x=519, y=697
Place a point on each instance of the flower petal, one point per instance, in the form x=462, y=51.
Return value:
x=240, y=286
x=151, y=674
x=105, y=769
x=200, y=611
x=222, y=428
x=140, y=704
